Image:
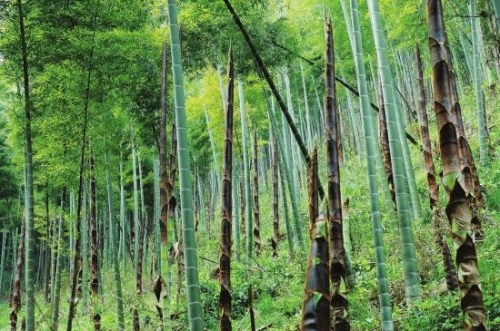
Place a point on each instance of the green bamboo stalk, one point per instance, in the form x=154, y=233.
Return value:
x=401, y=157
x=293, y=163
x=114, y=251
x=236, y=214
x=83, y=288
x=123, y=248
x=290, y=183
x=29, y=200
x=481, y=112
x=496, y=6
x=246, y=173
x=358, y=136
x=390, y=206
x=308, y=129
x=157, y=215
x=290, y=165
x=383, y=284
x=215, y=157
x=94, y=255
x=56, y=290
x=377, y=154
x=283, y=176
x=2, y=259
x=136, y=207
x=190, y=256
x=136, y=238
x=401, y=163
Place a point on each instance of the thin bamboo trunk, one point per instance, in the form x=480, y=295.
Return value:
x=407, y=200
x=227, y=208
x=83, y=277
x=56, y=289
x=49, y=251
x=273, y=88
x=236, y=214
x=16, y=291
x=383, y=284
x=481, y=112
x=94, y=254
x=114, y=252
x=246, y=174
x=123, y=234
x=2, y=258
x=340, y=317
x=250, y=308
x=77, y=258
x=276, y=236
x=285, y=182
x=255, y=204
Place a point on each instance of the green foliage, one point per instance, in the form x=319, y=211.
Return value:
x=208, y=29
x=123, y=47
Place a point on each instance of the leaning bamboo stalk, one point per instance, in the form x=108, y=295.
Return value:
x=273, y=88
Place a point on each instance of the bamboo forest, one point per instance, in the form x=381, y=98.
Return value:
x=189, y=165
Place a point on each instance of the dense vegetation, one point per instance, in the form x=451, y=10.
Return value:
x=161, y=176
